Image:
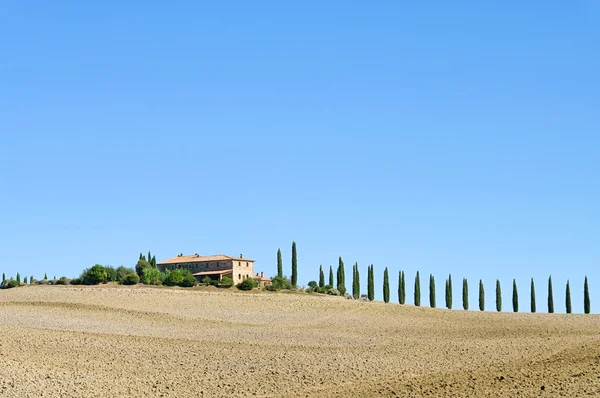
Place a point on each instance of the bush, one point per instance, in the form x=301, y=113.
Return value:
x=111, y=273
x=76, y=281
x=214, y=282
x=206, y=280
x=173, y=278
x=131, y=279
x=63, y=281
x=94, y=275
x=9, y=284
x=226, y=282
x=53, y=281
x=122, y=272
x=247, y=284
x=139, y=267
x=188, y=280
x=333, y=292
x=271, y=288
x=152, y=276
x=313, y=285
x=279, y=283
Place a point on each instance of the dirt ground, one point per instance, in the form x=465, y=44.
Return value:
x=71, y=341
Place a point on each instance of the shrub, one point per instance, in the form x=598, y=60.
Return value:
x=53, y=281
x=313, y=285
x=188, y=279
x=214, y=282
x=281, y=282
x=111, y=273
x=226, y=282
x=271, y=288
x=151, y=276
x=206, y=280
x=140, y=266
x=333, y=292
x=94, y=275
x=131, y=279
x=122, y=272
x=247, y=284
x=76, y=281
x=63, y=281
x=173, y=278
x=9, y=284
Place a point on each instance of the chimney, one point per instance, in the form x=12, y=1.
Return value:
x=262, y=274
x=197, y=255
x=241, y=255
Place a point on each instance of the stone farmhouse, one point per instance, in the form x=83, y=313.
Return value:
x=216, y=267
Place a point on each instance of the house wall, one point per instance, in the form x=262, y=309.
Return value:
x=242, y=269
x=201, y=266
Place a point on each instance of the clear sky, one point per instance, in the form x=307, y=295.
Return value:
x=442, y=137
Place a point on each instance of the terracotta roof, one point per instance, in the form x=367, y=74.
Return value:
x=197, y=258
x=223, y=272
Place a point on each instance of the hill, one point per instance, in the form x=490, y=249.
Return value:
x=138, y=341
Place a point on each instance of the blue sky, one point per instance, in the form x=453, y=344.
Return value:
x=441, y=137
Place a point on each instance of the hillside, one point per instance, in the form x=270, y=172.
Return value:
x=138, y=341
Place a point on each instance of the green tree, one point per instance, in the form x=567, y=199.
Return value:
x=25, y=280
x=321, y=277
x=550, y=296
x=370, y=284
x=465, y=294
x=45, y=277
x=139, y=267
x=417, y=290
x=498, y=296
x=386, y=286
x=294, y=265
x=515, y=297
x=449, y=292
x=94, y=275
x=341, y=286
x=3, y=277
x=141, y=257
x=31, y=280
x=400, y=287
x=153, y=263
x=481, y=296
x=403, y=288
x=331, y=276
x=586, y=297
x=431, y=291
x=568, y=298
x=533, y=305
x=355, y=282
x=18, y=278
x=279, y=264
x=149, y=258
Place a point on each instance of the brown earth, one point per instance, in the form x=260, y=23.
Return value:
x=64, y=341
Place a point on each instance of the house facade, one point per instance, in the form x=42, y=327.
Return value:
x=215, y=267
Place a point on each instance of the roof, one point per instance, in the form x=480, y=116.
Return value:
x=222, y=272
x=197, y=258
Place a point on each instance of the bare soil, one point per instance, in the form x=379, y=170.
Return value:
x=109, y=341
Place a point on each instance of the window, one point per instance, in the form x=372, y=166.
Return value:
x=246, y=263
x=239, y=276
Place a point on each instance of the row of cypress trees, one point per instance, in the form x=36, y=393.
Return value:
x=448, y=290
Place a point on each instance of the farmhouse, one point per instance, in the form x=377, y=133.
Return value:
x=215, y=267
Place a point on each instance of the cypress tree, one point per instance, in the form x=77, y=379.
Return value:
x=446, y=293
x=586, y=297
x=31, y=280
x=280, y=264
x=515, y=297
x=400, y=287
x=386, y=286
x=25, y=280
x=371, y=284
x=355, y=282
x=141, y=256
x=331, y=283
x=321, y=277
x=403, y=288
x=431, y=291
x=149, y=258
x=450, y=292
x=153, y=261
x=417, y=290
x=498, y=296
x=533, y=306
x=550, y=296
x=341, y=278
x=18, y=278
x=567, y=298
x=465, y=294
x=294, y=265
x=3, y=277
x=45, y=276
x=481, y=296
